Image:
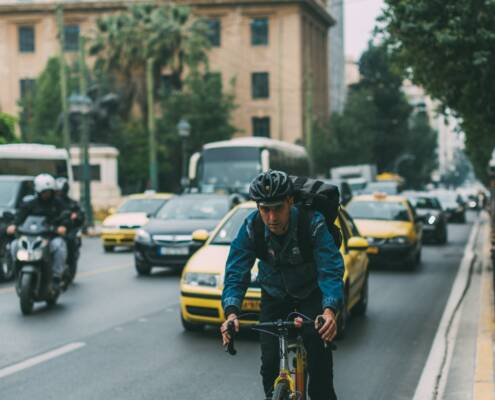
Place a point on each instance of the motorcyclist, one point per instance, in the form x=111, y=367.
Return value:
x=287, y=281
x=77, y=218
x=47, y=205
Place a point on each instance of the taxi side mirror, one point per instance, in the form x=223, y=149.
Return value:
x=357, y=243
x=112, y=210
x=201, y=235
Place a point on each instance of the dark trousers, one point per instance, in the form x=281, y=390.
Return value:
x=320, y=363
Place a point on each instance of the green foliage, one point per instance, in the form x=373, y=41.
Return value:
x=7, y=128
x=377, y=126
x=448, y=45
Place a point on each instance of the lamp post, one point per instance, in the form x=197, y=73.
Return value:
x=82, y=105
x=184, y=129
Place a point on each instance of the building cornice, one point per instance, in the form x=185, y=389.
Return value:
x=10, y=7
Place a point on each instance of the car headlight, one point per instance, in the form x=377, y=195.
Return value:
x=398, y=240
x=201, y=279
x=143, y=236
x=432, y=219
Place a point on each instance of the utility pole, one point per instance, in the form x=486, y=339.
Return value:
x=63, y=78
x=153, y=169
x=84, y=152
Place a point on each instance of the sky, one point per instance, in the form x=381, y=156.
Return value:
x=359, y=17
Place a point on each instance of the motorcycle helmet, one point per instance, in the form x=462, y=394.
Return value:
x=62, y=185
x=44, y=182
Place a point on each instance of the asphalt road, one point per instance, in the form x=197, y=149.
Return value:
x=129, y=343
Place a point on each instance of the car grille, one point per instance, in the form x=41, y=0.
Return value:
x=203, y=311
x=130, y=226
x=172, y=239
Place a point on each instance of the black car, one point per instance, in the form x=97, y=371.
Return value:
x=13, y=189
x=166, y=240
x=453, y=206
x=430, y=212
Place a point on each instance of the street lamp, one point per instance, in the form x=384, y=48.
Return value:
x=82, y=105
x=184, y=129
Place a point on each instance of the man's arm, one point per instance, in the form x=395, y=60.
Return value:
x=329, y=265
x=238, y=271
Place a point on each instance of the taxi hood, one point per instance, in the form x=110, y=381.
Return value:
x=127, y=219
x=382, y=229
x=211, y=258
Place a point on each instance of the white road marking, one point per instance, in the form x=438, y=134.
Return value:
x=31, y=362
x=434, y=363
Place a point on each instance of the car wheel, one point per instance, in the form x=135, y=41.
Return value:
x=142, y=268
x=191, y=326
x=362, y=305
x=443, y=237
x=108, y=249
x=417, y=261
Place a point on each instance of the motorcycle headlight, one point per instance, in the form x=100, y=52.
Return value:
x=143, y=236
x=22, y=255
x=202, y=279
x=398, y=240
x=432, y=219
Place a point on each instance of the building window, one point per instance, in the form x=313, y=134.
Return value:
x=259, y=31
x=71, y=38
x=27, y=87
x=95, y=172
x=215, y=30
x=261, y=126
x=260, y=87
x=26, y=39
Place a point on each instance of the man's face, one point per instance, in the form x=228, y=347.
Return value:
x=46, y=195
x=277, y=218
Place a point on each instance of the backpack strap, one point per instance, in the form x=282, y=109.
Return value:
x=260, y=246
x=304, y=234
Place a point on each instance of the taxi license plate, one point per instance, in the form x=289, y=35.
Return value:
x=251, y=305
x=373, y=250
x=174, y=251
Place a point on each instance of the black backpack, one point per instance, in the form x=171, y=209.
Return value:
x=310, y=195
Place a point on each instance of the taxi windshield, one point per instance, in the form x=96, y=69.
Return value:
x=379, y=210
x=195, y=208
x=230, y=228
x=148, y=206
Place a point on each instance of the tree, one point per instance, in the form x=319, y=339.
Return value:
x=7, y=128
x=123, y=43
x=449, y=48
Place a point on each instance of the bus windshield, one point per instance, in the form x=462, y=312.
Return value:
x=229, y=167
x=33, y=167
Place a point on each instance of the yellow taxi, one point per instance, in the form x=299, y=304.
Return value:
x=202, y=279
x=393, y=230
x=120, y=227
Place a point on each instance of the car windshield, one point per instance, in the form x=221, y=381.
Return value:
x=448, y=199
x=8, y=190
x=193, y=207
x=382, y=187
x=148, y=206
x=425, y=203
x=379, y=210
x=231, y=227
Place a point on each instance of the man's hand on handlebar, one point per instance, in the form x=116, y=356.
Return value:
x=328, y=330
x=224, y=328
x=61, y=230
x=11, y=229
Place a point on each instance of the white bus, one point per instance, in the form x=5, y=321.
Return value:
x=231, y=165
x=32, y=159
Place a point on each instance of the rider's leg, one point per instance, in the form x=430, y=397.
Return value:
x=271, y=310
x=58, y=249
x=320, y=362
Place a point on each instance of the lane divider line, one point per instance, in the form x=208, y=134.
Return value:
x=31, y=362
x=430, y=383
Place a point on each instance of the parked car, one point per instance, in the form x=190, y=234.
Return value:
x=202, y=279
x=393, y=230
x=429, y=210
x=166, y=240
x=120, y=228
x=13, y=189
x=452, y=204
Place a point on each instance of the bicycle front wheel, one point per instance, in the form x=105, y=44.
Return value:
x=281, y=391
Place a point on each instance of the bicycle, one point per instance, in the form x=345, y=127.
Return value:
x=292, y=378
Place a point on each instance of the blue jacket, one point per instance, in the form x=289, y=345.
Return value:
x=328, y=262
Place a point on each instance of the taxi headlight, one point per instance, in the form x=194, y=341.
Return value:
x=201, y=279
x=143, y=236
x=399, y=240
x=432, y=219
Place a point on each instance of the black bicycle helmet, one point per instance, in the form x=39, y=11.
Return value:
x=271, y=188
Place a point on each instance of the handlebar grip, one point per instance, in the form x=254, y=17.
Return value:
x=229, y=348
x=328, y=345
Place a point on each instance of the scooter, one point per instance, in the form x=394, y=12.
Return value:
x=33, y=264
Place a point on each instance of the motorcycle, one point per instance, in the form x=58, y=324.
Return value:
x=33, y=264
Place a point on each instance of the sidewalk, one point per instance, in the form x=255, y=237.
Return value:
x=470, y=373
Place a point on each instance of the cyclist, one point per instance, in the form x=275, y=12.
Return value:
x=287, y=282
